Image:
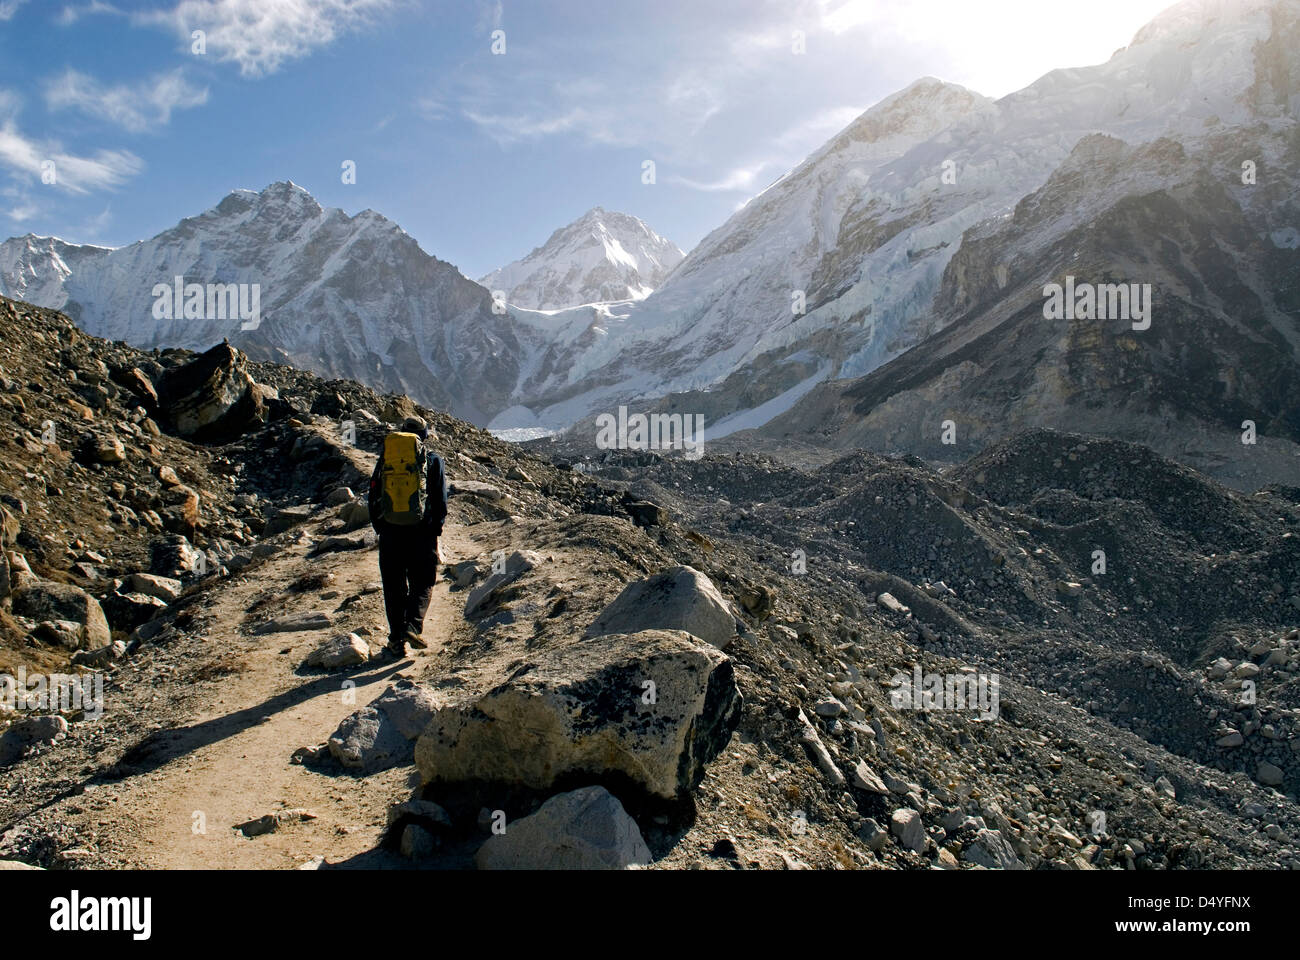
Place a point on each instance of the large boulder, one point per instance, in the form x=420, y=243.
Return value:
x=48, y=600
x=211, y=398
x=380, y=735
x=676, y=598
x=585, y=829
x=654, y=707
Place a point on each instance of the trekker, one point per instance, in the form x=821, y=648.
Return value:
x=408, y=505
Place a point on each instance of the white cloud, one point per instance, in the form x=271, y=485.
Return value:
x=25, y=210
x=26, y=158
x=261, y=35
x=8, y=8
x=136, y=107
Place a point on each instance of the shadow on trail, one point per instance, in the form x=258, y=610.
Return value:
x=163, y=746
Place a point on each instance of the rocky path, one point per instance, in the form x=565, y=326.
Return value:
x=231, y=763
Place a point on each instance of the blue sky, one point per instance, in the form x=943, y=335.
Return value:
x=477, y=155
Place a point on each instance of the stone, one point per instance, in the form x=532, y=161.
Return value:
x=48, y=600
x=516, y=565
x=345, y=650
x=101, y=657
x=647, y=514
x=944, y=860
x=339, y=496
x=287, y=519
x=212, y=397
x=367, y=741
x=417, y=843
x=1269, y=775
x=174, y=557
x=164, y=588
x=380, y=735
x=905, y=824
x=812, y=742
x=585, y=829
x=582, y=709
x=873, y=834
x=990, y=849
x=482, y=491
x=271, y=822
x=1069, y=588
x=415, y=809
x=887, y=601
x=126, y=611
x=464, y=573
x=293, y=622
x=181, y=513
x=354, y=515
x=409, y=706
x=359, y=540
x=28, y=732
x=676, y=598
x=757, y=601
x=830, y=707
x=59, y=633
x=6, y=582
x=864, y=778
x=107, y=449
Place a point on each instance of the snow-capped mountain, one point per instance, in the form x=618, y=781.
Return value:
x=863, y=233
x=344, y=296
x=602, y=256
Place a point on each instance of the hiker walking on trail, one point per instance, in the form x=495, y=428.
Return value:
x=408, y=505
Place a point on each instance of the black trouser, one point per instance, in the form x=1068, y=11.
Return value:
x=408, y=566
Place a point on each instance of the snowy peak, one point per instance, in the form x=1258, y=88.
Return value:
x=602, y=256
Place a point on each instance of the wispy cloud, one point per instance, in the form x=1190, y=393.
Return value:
x=135, y=107
x=8, y=8
x=28, y=160
x=72, y=12
x=743, y=179
x=261, y=35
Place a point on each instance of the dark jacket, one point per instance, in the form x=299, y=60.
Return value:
x=435, y=504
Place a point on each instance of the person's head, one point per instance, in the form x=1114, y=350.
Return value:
x=417, y=426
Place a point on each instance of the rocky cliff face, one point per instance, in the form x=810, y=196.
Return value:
x=1222, y=346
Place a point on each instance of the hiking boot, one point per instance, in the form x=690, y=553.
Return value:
x=414, y=639
x=391, y=651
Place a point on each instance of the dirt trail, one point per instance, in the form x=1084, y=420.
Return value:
x=231, y=764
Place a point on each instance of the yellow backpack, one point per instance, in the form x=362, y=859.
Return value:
x=401, y=480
